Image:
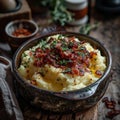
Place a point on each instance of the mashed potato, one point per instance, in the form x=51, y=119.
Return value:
x=62, y=63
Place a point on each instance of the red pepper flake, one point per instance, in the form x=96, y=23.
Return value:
x=72, y=38
x=92, y=54
x=38, y=63
x=110, y=104
x=21, y=32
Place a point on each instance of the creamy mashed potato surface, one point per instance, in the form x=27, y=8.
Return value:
x=62, y=63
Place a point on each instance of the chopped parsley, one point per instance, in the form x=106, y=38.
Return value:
x=81, y=54
x=43, y=44
x=63, y=62
x=67, y=70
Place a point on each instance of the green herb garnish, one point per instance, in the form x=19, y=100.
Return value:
x=24, y=55
x=64, y=62
x=64, y=48
x=67, y=70
x=81, y=54
x=43, y=44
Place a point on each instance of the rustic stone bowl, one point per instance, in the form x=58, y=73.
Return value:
x=64, y=101
x=15, y=41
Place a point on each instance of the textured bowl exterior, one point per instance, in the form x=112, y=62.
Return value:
x=63, y=101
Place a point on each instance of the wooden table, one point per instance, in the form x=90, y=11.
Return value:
x=108, y=33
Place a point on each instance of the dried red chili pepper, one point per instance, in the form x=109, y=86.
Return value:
x=110, y=104
x=112, y=113
x=105, y=99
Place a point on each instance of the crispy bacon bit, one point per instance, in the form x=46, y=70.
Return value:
x=75, y=71
x=27, y=71
x=38, y=63
x=110, y=104
x=58, y=45
x=92, y=54
x=21, y=32
x=33, y=82
x=38, y=50
x=98, y=72
x=82, y=42
x=72, y=38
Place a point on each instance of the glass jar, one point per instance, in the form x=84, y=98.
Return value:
x=79, y=9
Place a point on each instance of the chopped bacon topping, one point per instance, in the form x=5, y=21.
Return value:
x=98, y=72
x=64, y=53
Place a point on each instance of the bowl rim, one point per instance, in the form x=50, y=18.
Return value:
x=105, y=75
x=20, y=21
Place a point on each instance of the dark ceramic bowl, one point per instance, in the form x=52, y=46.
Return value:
x=12, y=26
x=66, y=100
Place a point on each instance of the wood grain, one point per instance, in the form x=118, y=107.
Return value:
x=33, y=114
